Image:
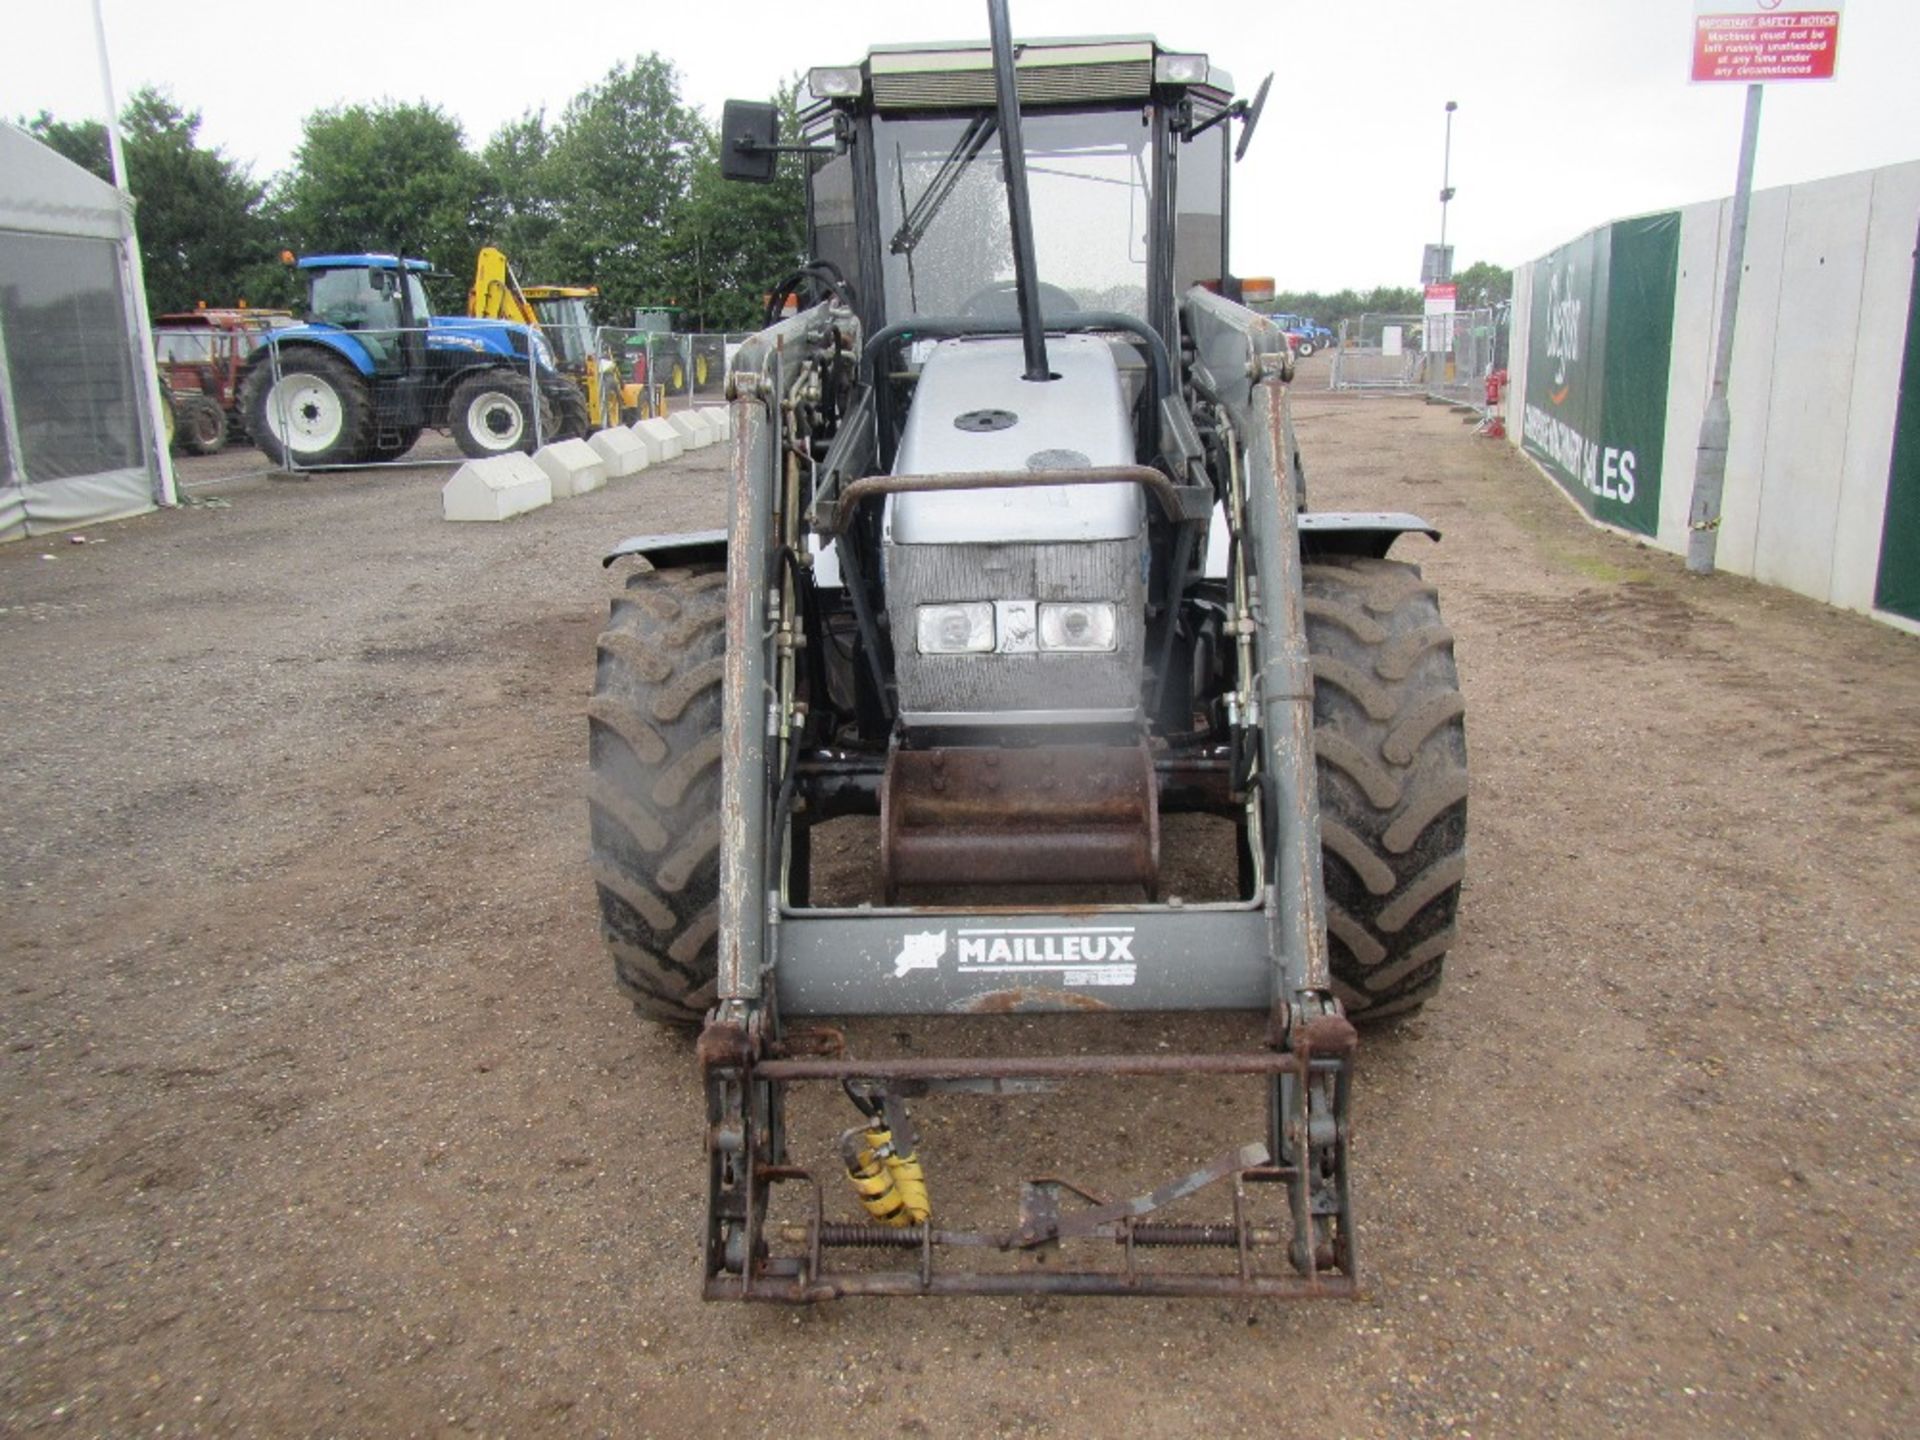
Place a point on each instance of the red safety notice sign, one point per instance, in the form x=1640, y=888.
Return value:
x=1754, y=42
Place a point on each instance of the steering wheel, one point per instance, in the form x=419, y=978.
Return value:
x=1001, y=301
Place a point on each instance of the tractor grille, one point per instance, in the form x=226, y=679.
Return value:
x=1024, y=688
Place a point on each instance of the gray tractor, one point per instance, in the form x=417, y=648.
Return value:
x=1018, y=582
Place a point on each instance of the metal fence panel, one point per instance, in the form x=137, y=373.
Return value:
x=1380, y=352
x=1458, y=374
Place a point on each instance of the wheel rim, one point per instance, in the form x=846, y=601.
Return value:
x=497, y=420
x=304, y=414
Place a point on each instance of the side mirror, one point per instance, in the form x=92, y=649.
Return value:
x=1252, y=122
x=749, y=133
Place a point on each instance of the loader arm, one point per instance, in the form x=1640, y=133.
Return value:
x=496, y=292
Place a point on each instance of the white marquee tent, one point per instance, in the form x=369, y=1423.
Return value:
x=77, y=428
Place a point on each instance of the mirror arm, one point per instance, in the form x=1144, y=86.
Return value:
x=747, y=147
x=1236, y=111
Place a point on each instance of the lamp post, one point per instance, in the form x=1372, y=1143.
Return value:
x=1446, y=174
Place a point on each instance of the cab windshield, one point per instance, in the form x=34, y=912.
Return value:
x=363, y=297
x=568, y=327
x=945, y=241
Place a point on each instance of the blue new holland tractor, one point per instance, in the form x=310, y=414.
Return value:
x=373, y=366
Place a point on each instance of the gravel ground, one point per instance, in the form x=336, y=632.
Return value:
x=321, y=1115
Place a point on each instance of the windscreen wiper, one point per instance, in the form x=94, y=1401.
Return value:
x=966, y=150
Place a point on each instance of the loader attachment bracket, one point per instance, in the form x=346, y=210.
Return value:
x=753, y=1256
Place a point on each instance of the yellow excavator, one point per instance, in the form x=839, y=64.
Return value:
x=560, y=313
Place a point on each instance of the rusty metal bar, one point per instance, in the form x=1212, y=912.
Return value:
x=982, y=815
x=834, y=1235
x=1028, y=1067
x=1144, y=1284
x=832, y=519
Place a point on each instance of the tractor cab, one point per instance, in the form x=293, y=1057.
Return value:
x=1127, y=159
x=565, y=320
x=377, y=295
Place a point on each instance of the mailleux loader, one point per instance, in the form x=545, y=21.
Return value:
x=1017, y=574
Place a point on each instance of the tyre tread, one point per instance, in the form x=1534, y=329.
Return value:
x=1390, y=747
x=653, y=788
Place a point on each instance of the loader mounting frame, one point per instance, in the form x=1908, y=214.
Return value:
x=781, y=959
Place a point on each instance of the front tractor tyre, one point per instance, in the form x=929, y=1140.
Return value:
x=1390, y=746
x=316, y=412
x=202, y=425
x=654, y=788
x=568, y=412
x=491, y=413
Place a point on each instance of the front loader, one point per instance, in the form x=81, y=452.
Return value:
x=1017, y=583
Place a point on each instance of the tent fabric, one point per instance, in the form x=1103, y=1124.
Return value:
x=73, y=396
x=45, y=193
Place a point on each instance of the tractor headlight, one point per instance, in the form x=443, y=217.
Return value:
x=965, y=629
x=1078, y=625
x=542, y=351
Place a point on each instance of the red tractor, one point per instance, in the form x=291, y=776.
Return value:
x=201, y=353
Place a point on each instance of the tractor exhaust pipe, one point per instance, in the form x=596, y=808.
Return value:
x=1026, y=280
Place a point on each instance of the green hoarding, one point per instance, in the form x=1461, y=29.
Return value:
x=1898, y=585
x=1599, y=344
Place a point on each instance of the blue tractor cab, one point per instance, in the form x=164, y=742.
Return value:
x=372, y=366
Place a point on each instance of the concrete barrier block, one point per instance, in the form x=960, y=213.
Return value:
x=719, y=419
x=693, y=433
x=662, y=440
x=574, y=467
x=497, y=488
x=620, y=450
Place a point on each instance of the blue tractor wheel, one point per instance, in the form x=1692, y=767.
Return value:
x=311, y=409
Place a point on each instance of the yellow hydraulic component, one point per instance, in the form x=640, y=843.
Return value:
x=560, y=313
x=892, y=1187
x=496, y=292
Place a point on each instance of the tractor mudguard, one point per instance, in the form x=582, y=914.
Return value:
x=1358, y=532
x=692, y=547
x=338, y=342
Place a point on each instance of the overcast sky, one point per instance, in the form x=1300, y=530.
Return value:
x=1572, y=112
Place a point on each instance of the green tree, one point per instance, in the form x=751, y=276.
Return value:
x=735, y=241
x=623, y=191
x=1483, y=284
x=202, y=236
x=618, y=167
x=521, y=214
x=389, y=177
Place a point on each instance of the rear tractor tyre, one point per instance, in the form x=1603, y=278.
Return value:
x=654, y=788
x=202, y=425
x=317, y=413
x=1391, y=750
x=491, y=413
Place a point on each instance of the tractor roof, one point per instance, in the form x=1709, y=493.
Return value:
x=1065, y=71
x=223, y=317
x=359, y=262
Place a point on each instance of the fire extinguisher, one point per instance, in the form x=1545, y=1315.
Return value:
x=1494, y=426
